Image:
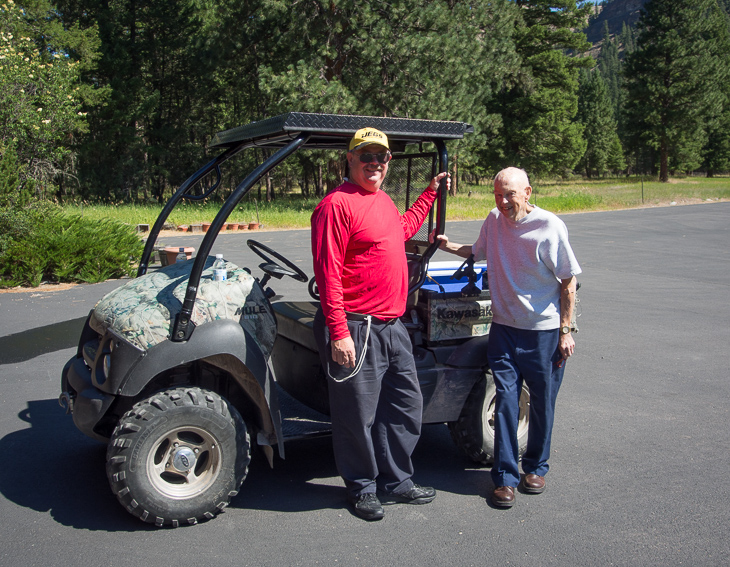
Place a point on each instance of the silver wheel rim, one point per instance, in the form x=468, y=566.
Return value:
x=523, y=420
x=184, y=462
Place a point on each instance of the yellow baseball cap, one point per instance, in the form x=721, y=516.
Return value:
x=366, y=136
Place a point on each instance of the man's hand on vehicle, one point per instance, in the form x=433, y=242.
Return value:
x=462, y=250
x=434, y=185
x=444, y=240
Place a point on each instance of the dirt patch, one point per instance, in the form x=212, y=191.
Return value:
x=45, y=287
x=176, y=233
x=677, y=202
x=170, y=236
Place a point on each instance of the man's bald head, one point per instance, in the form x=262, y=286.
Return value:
x=512, y=178
x=512, y=193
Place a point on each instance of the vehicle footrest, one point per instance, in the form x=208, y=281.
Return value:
x=299, y=421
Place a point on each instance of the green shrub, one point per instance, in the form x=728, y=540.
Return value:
x=49, y=245
x=13, y=225
x=13, y=193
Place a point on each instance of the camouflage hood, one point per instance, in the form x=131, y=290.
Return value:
x=144, y=310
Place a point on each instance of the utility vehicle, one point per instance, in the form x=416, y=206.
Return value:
x=180, y=374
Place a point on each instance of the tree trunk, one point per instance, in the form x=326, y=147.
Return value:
x=269, y=188
x=664, y=162
x=305, y=182
x=320, y=185
x=335, y=173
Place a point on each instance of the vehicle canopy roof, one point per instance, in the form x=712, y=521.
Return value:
x=286, y=134
x=334, y=131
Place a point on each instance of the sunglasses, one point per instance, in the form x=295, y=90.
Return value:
x=380, y=158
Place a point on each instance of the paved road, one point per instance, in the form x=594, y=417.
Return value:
x=640, y=453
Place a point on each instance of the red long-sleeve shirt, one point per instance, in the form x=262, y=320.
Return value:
x=358, y=246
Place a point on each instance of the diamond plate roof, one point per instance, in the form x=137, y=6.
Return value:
x=333, y=131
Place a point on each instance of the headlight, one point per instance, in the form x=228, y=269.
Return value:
x=107, y=367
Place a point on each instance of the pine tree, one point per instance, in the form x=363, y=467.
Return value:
x=609, y=65
x=538, y=107
x=143, y=138
x=675, y=79
x=406, y=58
x=595, y=112
x=627, y=38
x=717, y=150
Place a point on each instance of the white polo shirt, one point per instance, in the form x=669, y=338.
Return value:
x=525, y=261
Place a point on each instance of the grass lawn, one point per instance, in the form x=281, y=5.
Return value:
x=471, y=203
x=582, y=195
x=291, y=211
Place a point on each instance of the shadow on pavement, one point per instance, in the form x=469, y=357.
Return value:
x=51, y=467
x=26, y=345
x=56, y=469
x=308, y=480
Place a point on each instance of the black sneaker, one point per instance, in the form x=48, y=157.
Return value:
x=368, y=507
x=414, y=495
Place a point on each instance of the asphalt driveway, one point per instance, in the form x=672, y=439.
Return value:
x=640, y=447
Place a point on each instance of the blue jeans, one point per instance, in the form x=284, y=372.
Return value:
x=517, y=355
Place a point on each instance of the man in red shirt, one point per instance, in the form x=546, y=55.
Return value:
x=358, y=244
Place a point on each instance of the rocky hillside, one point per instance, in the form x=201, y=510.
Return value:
x=615, y=13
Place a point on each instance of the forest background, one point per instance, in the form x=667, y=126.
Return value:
x=116, y=101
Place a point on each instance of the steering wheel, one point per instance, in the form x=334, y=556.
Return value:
x=274, y=269
x=467, y=269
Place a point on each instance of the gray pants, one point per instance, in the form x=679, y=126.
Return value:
x=376, y=414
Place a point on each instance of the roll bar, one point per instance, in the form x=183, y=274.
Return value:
x=440, y=215
x=183, y=326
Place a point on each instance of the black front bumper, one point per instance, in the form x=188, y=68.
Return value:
x=82, y=399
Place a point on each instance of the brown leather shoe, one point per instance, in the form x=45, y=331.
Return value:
x=503, y=496
x=533, y=484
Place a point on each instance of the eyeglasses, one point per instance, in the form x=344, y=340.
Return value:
x=380, y=158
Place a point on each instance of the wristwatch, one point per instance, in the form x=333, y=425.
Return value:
x=564, y=330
